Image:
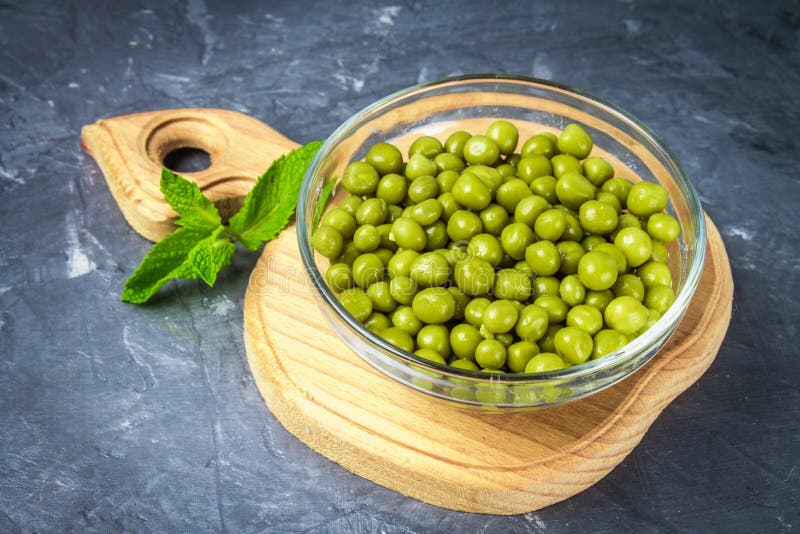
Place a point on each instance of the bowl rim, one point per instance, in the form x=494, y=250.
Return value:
x=637, y=346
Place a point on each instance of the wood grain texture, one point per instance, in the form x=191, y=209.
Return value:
x=130, y=150
x=448, y=456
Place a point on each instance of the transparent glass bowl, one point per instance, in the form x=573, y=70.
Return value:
x=472, y=103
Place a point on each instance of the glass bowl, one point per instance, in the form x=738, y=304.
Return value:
x=472, y=103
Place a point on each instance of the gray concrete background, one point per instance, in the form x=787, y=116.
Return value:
x=122, y=418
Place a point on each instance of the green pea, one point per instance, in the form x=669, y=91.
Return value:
x=655, y=273
x=381, y=297
x=529, y=208
x=571, y=290
x=663, y=227
x=635, y=244
x=474, y=276
x=372, y=211
x=609, y=199
x=464, y=339
x=360, y=178
x=436, y=338
x=473, y=313
x=494, y=218
x=652, y=318
x=428, y=146
x=385, y=233
x=463, y=225
x=467, y=365
x=516, y=238
x=471, y=192
x=565, y=164
x=587, y=318
x=546, y=285
x=446, y=179
x=434, y=305
x=392, y=188
x=436, y=235
x=385, y=158
x=348, y=255
x=356, y=302
x=341, y=220
x=461, y=299
x=555, y=307
x=519, y=354
x=448, y=162
x=367, y=238
x=408, y=234
x=430, y=269
x=572, y=190
x=608, y=341
x=597, y=271
x=400, y=264
x=327, y=241
x=599, y=299
x=625, y=314
x=384, y=254
x=610, y=250
x=403, y=289
x=630, y=285
x=591, y=241
x=422, y=188
x=645, y=199
x=431, y=355
x=660, y=253
x=547, y=342
x=573, y=344
x=456, y=141
x=403, y=317
x=545, y=187
x=377, y=322
x=399, y=338
x=500, y=317
x=598, y=217
x=512, y=284
x=659, y=297
x=571, y=253
x=339, y=277
x=505, y=135
x=351, y=204
x=486, y=247
x=597, y=170
x=532, y=167
x=543, y=257
x=575, y=140
x=544, y=362
x=507, y=170
x=532, y=323
x=481, y=150
x=418, y=165
x=394, y=212
x=619, y=187
x=449, y=205
x=367, y=269
x=550, y=225
x=490, y=354
x=539, y=145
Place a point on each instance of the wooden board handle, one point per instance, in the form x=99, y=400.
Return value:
x=130, y=150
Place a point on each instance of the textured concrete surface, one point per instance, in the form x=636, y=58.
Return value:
x=122, y=418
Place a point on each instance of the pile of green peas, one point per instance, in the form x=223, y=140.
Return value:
x=474, y=255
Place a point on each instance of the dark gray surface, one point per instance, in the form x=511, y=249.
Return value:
x=117, y=417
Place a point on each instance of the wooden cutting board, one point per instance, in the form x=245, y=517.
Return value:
x=375, y=427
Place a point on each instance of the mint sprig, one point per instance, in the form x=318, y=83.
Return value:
x=202, y=245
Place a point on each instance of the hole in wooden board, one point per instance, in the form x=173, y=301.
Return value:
x=187, y=159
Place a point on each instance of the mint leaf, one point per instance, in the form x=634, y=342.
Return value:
x=212, y=255
x=194, y=209
x=272, y=201
x=324, y=197
x=168, y=259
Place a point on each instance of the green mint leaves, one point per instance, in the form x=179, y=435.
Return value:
x=202, y=245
